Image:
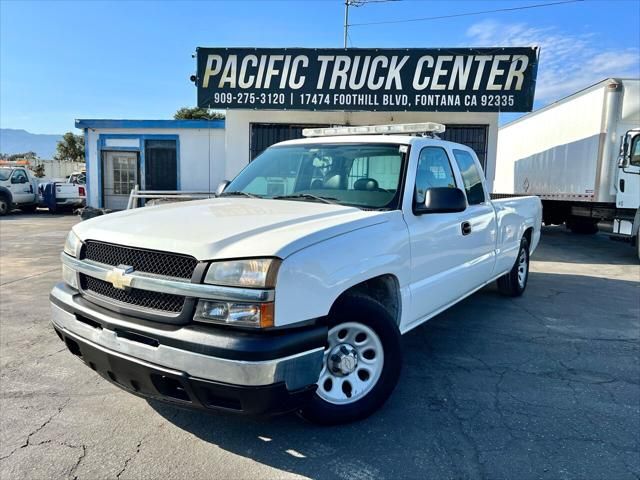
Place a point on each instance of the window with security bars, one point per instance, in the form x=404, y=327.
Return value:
x=473, y=136
x=263, y=135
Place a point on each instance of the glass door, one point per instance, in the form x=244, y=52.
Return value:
x=119, y=176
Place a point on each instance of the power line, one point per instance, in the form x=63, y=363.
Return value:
x=424, y=19
x=359, y=3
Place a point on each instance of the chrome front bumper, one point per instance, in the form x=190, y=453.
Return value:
x=295, y=371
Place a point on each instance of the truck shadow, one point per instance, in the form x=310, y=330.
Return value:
x=484, y=383
x=590, y=249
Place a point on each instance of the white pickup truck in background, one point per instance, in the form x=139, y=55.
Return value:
x=64, y=195
x=18, y=189
x=291, y=290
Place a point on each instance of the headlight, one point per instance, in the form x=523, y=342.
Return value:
x=251, y=273
x=72, y=244
x=256, y=315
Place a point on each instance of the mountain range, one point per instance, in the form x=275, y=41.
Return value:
x=20, y=141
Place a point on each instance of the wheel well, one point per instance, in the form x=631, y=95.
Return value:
x=384, y=288
x=528, y=233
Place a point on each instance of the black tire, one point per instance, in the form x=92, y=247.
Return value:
x=510, y=283
x=370, y=313
x=582, y=226
x=4, y=206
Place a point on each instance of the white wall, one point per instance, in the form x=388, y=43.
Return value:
x=56, y=169
x=238, y=131
x=201, y=157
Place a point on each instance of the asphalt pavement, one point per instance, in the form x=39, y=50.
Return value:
x=544, y=386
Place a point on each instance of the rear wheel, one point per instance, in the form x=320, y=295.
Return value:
x=361, y=364
x=514, y=283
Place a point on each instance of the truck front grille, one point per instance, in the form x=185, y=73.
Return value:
x=164, y=302
x=142, y=260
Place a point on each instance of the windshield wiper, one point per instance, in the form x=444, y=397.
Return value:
x=239, y=193
x=306, y=196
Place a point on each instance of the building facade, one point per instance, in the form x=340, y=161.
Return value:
x=196, y=155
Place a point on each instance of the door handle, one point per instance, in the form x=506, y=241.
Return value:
x=622, y=185
x=466, y=228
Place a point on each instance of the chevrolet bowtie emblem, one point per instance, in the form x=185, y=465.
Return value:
x=119, y=278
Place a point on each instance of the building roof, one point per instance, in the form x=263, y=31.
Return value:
x=131, y=124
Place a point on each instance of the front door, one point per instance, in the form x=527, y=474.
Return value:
x=120, y=175
x=21, y=188
x=628, y=187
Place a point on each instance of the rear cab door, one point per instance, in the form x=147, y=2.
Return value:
x=479, y=219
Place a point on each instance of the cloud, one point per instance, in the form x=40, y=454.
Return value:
x=567, y=62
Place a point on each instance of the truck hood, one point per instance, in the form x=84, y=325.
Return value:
x=222, y=228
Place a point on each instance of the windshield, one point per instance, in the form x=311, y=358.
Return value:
x=362, y=175
x=5, y=173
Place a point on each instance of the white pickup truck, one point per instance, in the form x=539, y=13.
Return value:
x=57, y=196
x=18, y=189
x=290, y=291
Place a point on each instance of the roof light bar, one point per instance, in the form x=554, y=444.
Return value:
x=425, y=127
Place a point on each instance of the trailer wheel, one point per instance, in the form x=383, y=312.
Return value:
x=361, y=364
x=582, y=226
x=514, y=283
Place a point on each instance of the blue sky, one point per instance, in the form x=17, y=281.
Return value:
x=65, y=60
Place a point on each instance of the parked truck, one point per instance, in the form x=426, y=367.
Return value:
x=581, y=156
x=18, y=189
x=64, y=196
x=292, y=288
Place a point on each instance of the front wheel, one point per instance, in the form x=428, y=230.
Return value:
x=361, y=365
x=4, y=206
x=514, y=283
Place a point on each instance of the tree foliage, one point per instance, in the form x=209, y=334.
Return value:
x=38, y=170
x=195, y=113
x=70, y=148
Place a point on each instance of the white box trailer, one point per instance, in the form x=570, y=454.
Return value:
x=581, y=156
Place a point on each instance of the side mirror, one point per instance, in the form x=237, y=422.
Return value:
x=443, y=200
x=221, y=186
x=623, y=161
x=627, y=147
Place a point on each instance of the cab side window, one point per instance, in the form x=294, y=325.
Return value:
x=19, y=177
x=434, y=170
x=471, y=177
x=635, y=152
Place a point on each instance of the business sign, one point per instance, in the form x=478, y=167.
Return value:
x=452, y=79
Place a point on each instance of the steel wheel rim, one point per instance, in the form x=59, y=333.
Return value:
x=342, y=388
x=522, y=268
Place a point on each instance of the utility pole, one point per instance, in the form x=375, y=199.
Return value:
x=346, y=21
